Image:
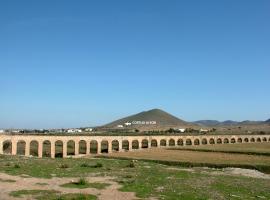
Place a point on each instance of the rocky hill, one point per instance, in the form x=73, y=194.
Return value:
x=155, y=119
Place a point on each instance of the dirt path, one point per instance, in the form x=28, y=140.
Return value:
x=111, y=192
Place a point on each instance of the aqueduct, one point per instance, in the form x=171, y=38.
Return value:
x=53, y=145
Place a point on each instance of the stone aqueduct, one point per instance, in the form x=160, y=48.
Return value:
x=108, y=144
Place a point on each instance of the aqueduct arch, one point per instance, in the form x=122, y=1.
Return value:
x=63, y=146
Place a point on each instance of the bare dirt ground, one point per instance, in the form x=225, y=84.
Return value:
x=242, y=172
x=194, y=156
x=226, y=171
x=22, y=183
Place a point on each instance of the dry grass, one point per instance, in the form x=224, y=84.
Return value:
x=245, y=147
x=195, y=157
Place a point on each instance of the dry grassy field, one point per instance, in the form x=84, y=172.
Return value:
x=92, y=178
x=245, y=147
x=194, y=157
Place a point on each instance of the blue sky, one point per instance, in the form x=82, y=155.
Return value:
x=85, y=63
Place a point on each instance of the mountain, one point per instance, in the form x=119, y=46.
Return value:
x=150, y=120
x=207, y=122
x=248, y=122
x=215, y=123
x=229, y=123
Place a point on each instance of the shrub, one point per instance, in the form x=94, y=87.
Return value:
x=60, y=198
x=97, y=165
x=85, y=165
x=17, y=166
x=64, y=166
x=82, y=181
x=131, y=164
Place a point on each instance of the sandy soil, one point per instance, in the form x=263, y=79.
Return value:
x=111, y=192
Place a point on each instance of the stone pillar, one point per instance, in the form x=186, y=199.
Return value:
x=120, y=146
x=168, y=143
x=87, y=147
x=52, y=149
x=99, y=147
x=64, y=149
x=140, y=144
x=109, y=147
x=40, y=149
x=184, y=142
x=27, y=148
x=77, y=146
x=14, y=147
x=130, y=145
x=1, y=147
x=149, y=144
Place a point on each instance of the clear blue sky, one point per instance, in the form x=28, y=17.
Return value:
x=84, y=63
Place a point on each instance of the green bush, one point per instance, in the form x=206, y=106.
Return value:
x=82, y=181
x=64, y=166
x=17, y=166
x=131, y=164
x=96, y=165
x=85, y=165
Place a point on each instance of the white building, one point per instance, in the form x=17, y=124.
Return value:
x=2, y=131
x=128, y=124
x=204, y=130
x=120, y=126
x=74, y=130
x=182, y=130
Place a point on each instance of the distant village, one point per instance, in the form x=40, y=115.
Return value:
x=47, y=131
x=93, y=130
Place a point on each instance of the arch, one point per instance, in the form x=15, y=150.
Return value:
x=70, y=148
x=93, y=147
x=46, y=148
x=252, y=140
x=144, y=144
x=21, y=144
x=163, y=143
x=171, y=142
x=125, y=145
x=239, y=140
x=135, y=144
x=204, y=141
x=154, y=143
x=7, y=147
x=180, y=142
x=33, y=148
x=188, y=142
x=219, y=141
x=259, y=140
x=226, y=141
x=82, y=147
x=233, y=140
x=59, y=149
x=211, y=141
x=246, y=140
x=268, y=139
x=115, y=145
x=196, y=142
x=264, y=139
x=104, y=146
